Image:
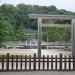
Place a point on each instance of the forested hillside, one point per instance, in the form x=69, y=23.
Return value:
x=14, y=20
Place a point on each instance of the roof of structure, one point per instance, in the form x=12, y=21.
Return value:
x=30, y=31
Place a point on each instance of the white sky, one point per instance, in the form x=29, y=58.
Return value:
x=60, y=4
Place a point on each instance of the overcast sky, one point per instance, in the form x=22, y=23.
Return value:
x=60, y=4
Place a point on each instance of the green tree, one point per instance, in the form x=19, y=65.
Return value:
x=20, y=34
x=6, y=30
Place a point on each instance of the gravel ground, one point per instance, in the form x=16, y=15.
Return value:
x=38, y=73
x=32, y=51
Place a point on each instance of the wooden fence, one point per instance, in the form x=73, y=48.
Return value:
x=28, y=63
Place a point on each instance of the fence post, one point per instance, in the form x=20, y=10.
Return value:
x=7, y=66
x=43, y=62
x=30, y=62
x=69, y=62
x=25, y=62
x=12, y=61
x=47, y=62
x=73, y=62
x=2, y=62
x=16, y=62
x=38, y=63
x=65, y=62
x=51, y=62
x=60, y=61
x=34, y=62
x=56, y=62
x=21, y=62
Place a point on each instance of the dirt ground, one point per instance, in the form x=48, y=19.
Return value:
x=38, y=73
x=32, y=51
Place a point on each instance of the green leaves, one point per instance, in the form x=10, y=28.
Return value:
x=3, y=30
x=57, y=34
x=14, y=21
x=20, y=34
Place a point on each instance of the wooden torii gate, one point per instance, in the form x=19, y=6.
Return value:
x=40, y=17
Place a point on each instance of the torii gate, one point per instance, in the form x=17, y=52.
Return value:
x=58, y=17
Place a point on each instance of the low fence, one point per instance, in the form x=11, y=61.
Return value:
x=28, y=63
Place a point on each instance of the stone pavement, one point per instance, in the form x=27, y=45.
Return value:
x=39, y=73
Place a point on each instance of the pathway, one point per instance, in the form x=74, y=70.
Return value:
x=38, y=73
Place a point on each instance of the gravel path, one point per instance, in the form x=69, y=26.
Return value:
x=32, y=51
x=38, y=73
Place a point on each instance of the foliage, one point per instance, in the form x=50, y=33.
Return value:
x=6, y=30
x=14, y=20
x=57, y=34
x=20, y=34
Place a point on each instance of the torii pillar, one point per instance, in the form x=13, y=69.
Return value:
x=39, y=36
x=73, y=37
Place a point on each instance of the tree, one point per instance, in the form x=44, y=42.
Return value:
x=9, y=11
x=6, y=30
x=20, y=34
x=14, y=20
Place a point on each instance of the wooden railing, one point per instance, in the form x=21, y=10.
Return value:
x=44, y=63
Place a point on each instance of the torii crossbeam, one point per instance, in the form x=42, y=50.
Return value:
x=54, y=17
